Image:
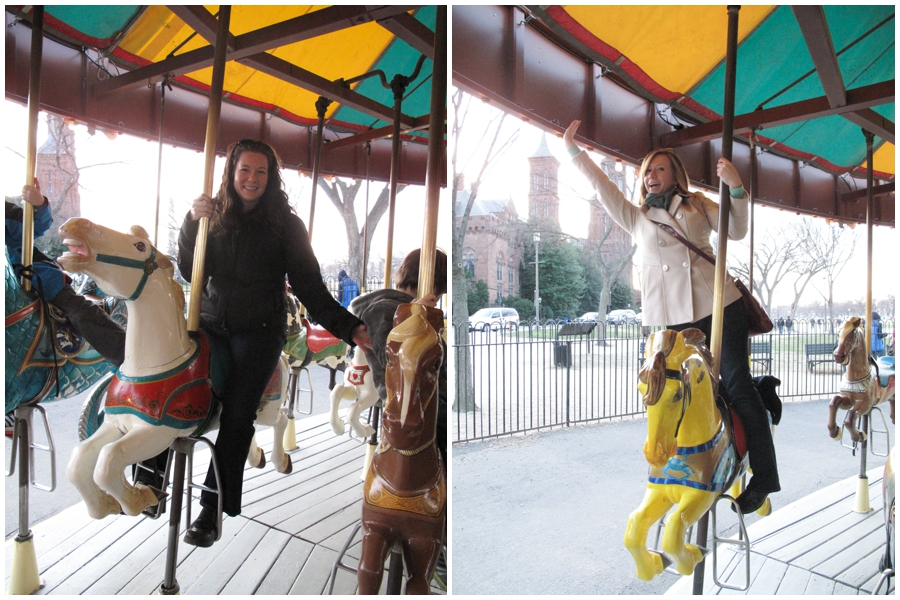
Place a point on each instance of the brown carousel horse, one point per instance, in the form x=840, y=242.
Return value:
x=405, y=490
x=864, y=384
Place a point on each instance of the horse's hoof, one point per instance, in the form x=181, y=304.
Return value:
x=288, y=465
x=262, y=460
x=834, y=434
x=766, y=509
x=337, y=427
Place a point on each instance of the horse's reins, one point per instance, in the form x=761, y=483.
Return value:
x=422, y=448
x=147, y=266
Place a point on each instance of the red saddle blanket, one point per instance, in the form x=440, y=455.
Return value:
x=738, y=434
x=179, y=398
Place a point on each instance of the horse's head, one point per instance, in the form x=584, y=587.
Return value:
x=120, y=263
x=414, y=348
x=849, y=340
x=673, y=362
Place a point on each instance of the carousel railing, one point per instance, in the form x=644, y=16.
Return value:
x=515, y=379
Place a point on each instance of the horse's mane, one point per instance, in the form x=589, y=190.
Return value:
x=653, y=373
x=850, y=325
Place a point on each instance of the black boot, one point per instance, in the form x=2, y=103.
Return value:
x=203, y=531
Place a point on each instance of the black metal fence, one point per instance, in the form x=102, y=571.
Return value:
x=543, y=375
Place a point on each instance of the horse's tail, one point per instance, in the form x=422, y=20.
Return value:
x=91, y=417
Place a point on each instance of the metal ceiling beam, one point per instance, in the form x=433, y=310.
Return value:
x=305, y=27
x=374, y=134
x=410, y=30
x=878, y=190
x=814, y=27
x=857, y=99
x=282, y=69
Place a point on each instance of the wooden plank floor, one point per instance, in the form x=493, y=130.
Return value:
x=291, y=529
x=816, y=545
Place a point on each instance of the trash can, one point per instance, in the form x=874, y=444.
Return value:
x=562, y=354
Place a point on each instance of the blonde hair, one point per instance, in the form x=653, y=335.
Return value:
x=678, y=169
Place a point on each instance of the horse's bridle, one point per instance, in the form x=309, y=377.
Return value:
x=147, y=266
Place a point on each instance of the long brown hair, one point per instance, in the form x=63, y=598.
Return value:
x=229, y=209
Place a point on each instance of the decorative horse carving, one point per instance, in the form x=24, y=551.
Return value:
x=307, y=343
x=359, y=389
x=405, y=492
x=689, y=447
x=36, y=362
x=863, y=385
x=162, y=391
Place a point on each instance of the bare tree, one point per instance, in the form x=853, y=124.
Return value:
x=834, y=244
x=342, y=194
x=481, y=134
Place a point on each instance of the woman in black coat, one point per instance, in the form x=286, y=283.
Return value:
x=254, y=241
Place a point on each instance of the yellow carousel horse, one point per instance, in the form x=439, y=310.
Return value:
x=689, y=448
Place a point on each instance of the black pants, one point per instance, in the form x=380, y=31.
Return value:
x=734, y=369
x=254, y=356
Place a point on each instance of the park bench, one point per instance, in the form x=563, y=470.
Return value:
x=819, y=353
x=562, y=350
x=761, y=352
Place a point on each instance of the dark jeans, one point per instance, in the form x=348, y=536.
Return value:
x=734, y=370
x=254, y=356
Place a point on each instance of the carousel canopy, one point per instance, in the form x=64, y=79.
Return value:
x=808, y=80
x=281, y=59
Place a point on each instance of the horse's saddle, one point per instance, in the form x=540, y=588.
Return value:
x=765, y=385
x=318, y=338
x=885, y=367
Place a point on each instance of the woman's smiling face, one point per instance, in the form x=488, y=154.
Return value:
x=659, y=177
x=251, y=174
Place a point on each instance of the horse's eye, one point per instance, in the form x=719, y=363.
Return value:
x=140, y=246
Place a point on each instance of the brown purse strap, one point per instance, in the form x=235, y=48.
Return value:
x=671, y=231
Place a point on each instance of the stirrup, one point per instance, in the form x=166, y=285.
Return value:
x=23, y=417
x=185, y=445
x=667, y=562
x=338, y=561
x=743, y=541
x=156, y=511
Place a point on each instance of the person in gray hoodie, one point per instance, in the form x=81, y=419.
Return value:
x=376, y=309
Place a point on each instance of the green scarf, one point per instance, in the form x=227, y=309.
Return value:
x=662, y=201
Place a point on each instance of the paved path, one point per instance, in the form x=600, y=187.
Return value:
x=545, y=513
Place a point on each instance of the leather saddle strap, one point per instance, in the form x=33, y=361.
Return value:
x=671, y=231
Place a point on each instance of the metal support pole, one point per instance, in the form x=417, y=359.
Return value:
x=212, y=133
x=435, y=151
x=34, y=107
x=365, y=261
x=399, y=87
x=722, y=249
x=321, y=107
x=162, y=120
x=170, y=583
x=24, y=574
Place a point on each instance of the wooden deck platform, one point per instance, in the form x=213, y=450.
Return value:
x=816, y=545
x=286, y=540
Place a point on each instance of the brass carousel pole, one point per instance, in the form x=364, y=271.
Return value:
x=169, y=585
x=24, y=575
x=34, y=107
x=321, y=106
x=862, y=504
x=212, y=133
x=435, y=151
x=721, y=250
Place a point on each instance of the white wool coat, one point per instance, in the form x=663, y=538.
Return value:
x=676, y=284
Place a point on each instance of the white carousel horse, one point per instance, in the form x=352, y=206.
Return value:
x=163, y=390
x=359, y=389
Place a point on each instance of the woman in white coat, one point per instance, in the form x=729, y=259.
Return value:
x=677, y=285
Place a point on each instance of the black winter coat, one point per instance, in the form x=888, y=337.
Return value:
x=244, y=286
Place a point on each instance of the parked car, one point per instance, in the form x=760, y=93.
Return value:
x=494, y=319
x=622, y=317
x=589, y=316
